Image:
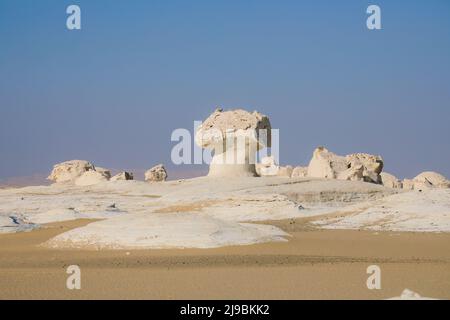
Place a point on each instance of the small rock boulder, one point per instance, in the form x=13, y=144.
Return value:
x=285, y=171
x=390, y=181
x=267, y=167
x=299, y=172
x=156, y=174
x=372, y=166
x=122, y=176
x=69, y=171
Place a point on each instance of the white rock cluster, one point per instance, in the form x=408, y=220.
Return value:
x=83, y=173
x=353, y=167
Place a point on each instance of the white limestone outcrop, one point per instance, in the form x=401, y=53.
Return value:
x=156, y=174
x=326, y=164
x=267, y=167
x=426, y=180
x=124, y=175
x=353, y=167
x=104, y=172
x=390, y=181
x=235, y=136
x=299, y=172
x=69, y=171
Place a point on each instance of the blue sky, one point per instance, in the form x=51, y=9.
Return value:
x=114, y=91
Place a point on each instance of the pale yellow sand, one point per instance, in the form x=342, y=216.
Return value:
x=314, y=264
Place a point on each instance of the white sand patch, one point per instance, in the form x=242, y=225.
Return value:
x=158, y=231
x=66, y=214
x=427, y=211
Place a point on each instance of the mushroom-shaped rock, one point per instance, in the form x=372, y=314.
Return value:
x=90, y=177
x=124, y=175
x=156, y=174
x=235, y=136
x=299, y=172
x=390, y=181
x=69, y=171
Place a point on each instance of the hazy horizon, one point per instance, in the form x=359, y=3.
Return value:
x=113, y=92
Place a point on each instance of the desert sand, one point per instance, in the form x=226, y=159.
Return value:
x=313, y=264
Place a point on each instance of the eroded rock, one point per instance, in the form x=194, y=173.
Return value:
x=299, y=172
x=124, y=175
x=390, y=181
x=156, y=174
x=69, y=171
x=326, y=164
x=235, y=136
x=355, y=167
x=426, y=180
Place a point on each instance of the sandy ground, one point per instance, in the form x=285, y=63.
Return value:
x=314, y=264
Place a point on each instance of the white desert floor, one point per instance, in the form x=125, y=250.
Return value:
x=207, y=213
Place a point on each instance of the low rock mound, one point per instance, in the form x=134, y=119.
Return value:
x=426, y=180
x=390, y=181
x=69, y=171
x=91, y=177
x=124, y=175
x=161, y=231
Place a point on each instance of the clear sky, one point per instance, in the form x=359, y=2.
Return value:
x=114, y=91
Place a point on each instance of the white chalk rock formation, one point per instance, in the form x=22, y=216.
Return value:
x=372, y=165
x=91, y=177
x=163, y=231
x=326, y=164
x=156, y=174
x=235, y=136
x=267, y=167
x=435, y=179
x=69, y=171
x=299, y=172
x=285, y=171
x=354, y=167
x=390, y=181
x=124, y=175
x=104, y=172
x=426, y=180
